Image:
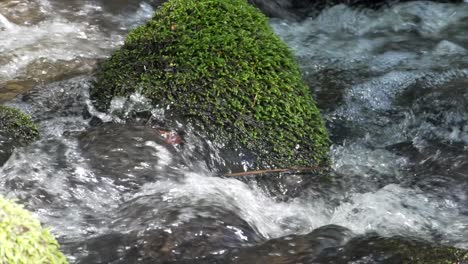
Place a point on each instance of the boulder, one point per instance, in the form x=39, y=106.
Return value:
x=376, y=249
x=170, y=233
x=16, y=129
x=292, y=249
x=218, y=65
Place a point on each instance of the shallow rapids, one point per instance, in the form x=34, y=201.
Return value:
x=393, y=86
x=44, y=41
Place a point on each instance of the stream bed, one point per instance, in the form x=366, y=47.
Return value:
x=392, y=84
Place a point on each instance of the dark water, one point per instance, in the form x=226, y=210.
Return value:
x=393, y=86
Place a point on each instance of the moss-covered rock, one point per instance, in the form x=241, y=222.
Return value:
x=23, y=240
x=218, y=63
x=16, y=129
x=418, y=252
x=17, y=125
x=375, y=249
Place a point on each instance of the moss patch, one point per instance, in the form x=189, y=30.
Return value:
x=401, y=250
x=415, y=252
x=16, y=125
x=16, y=129
x=23, y=240
x=219, y=64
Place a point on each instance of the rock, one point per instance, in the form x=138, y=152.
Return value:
x=50, y=100
x=293, y=248
x=10, y=89
x=375, y=249
x=219, y=65
x=22, y=12
x=130, y=155
x=23, y=240
x=446, y=47
x=16, y=129
x=171, y=232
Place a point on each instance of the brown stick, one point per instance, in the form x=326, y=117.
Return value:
x=257, y=172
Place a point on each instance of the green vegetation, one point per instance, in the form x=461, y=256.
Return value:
x=16, y=129
x=218, y=64
x=22, y=240
x=405, y=251
x=16, y=125
x=415, y=252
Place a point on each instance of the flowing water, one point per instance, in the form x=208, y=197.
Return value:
x=392, y=85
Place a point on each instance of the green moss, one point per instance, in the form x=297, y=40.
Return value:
x=402, y=250
x=219, y=64
x=22, y=240
x=16, y=125
x=417, y=252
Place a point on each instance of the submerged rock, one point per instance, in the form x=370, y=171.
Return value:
x=129, y=155
x=294, y=248
x=374, y=249
x=219, y=65
x=16, y=129
x=23, y=240
x=22, y=12
x=168, y=233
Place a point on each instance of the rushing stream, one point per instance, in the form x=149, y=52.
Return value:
x=393, y=87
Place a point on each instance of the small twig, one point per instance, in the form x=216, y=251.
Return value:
x=254, y=100
x=257, y=172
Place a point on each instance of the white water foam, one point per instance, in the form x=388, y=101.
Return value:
x=392, y=210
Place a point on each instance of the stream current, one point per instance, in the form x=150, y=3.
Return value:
x=392, y=85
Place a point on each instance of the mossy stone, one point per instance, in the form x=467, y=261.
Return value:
x=417, y=252
x=375, y=249
x=218, y=64
x=17, y=125
x=16, y=129
x=23, y=240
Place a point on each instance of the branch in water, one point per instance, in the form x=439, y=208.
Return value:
x=285, y=170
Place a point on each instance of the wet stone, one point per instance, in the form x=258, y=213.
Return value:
x=294, y=248
x=167, y=233
x=16, y=130
x=372, y=249
x=22, y=12
x=11, y=89
x=149, y=158
x=62, y=98
x=434, y=102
